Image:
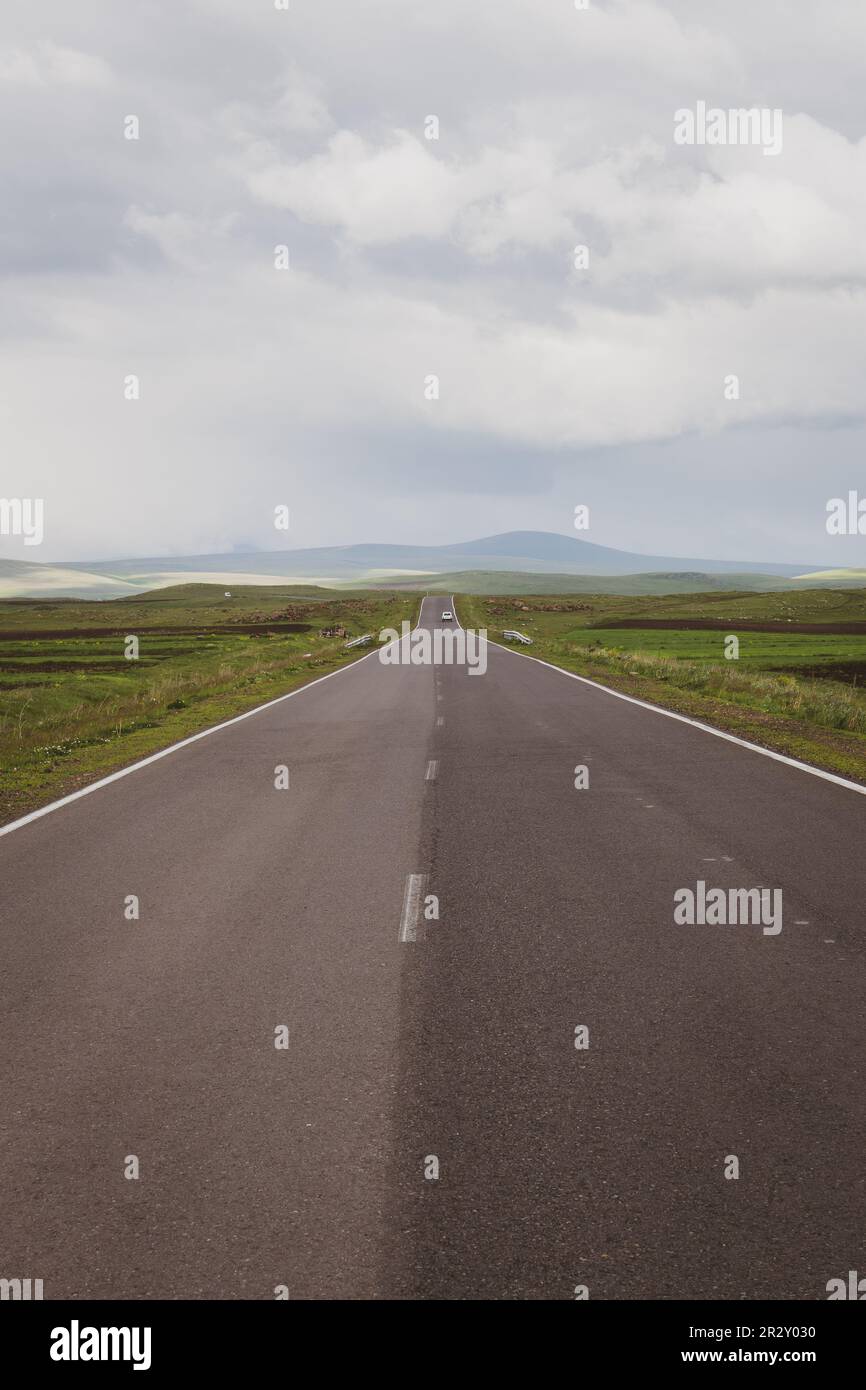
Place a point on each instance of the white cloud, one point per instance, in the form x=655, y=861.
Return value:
x=47, y=64
x=184, y=240
x=740, y=222
x=412, y=256
x=374, y=195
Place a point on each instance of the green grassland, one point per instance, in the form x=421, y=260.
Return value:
x=798, y=686
x=761, y=650
x=828, y=606
x=73, y=708
x=653, y=584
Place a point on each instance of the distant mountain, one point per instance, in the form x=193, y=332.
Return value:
x=572, y=555
x=23, y=579
x=540, y=553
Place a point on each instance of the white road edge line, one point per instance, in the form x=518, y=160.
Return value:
x=432, y=770
x=185, y=742
x=412, y=898
x=684, y=719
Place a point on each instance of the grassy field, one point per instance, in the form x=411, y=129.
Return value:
x=73, y=708
x=654, y=584
x=798, y=686
x=834, y=607
x=765, y=651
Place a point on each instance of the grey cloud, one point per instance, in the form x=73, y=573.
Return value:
x=410, y=257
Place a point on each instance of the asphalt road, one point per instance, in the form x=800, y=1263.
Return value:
x=558, y=1167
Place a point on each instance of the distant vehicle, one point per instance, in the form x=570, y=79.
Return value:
x=447, y=615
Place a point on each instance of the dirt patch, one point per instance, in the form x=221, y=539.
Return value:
x=38, y=634
x=850, y=672
x=728, y=625
x=25, y=668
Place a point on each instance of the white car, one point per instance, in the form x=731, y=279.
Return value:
x=447, y=615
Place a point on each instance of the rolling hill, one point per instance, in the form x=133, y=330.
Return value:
x=516, y=561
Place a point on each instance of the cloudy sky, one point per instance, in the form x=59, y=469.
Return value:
x=412, y=257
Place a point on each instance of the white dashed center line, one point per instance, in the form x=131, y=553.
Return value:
x=413, y=898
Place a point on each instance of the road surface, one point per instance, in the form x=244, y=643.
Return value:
x=559, y=1168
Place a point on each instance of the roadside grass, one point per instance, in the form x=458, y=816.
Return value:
x=824, y=606
x=774, y=695
x=758, y=651
x=72, y=708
